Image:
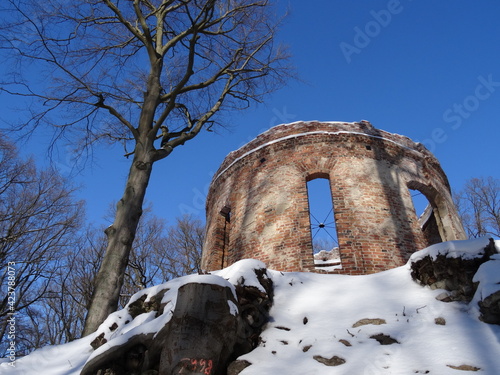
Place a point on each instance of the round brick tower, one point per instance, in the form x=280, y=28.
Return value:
x=257, y=204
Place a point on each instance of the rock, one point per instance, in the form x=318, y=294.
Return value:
x=98, y=341
x=283, y=328
x=201, y=335
x=253, y=312
x=140, y=306
x=490, y=308
x=384, y=339
x=440, y=321
x=363, y=322
x=487, y=296
x=123, y=359
x=237, y=366
x=452, y=273
x=334, y=361
x=209, y=328
x=345, y=342
x=464, y=367
x=444, y=297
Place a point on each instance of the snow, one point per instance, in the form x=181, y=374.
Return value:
x=313, y=315
x=488, y=277
x=67, y=359
x=331, y=304
x=327, y=260
x=467, y=249
x=242, y=273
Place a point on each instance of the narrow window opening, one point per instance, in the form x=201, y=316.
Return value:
x=223, y=233
x=323, y=227
x=226, y=213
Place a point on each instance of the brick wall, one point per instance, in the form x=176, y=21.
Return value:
x=264, y=186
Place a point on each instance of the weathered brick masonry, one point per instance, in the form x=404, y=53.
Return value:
x=257, y=205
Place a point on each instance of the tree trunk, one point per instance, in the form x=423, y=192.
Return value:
x=121, y=234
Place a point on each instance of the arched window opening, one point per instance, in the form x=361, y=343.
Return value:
x=426, y=216
x=420, y=203
x=323, y=228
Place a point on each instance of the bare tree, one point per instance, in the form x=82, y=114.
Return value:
x=59, y=315
x=161, y=253
x=184, y=246
x=478, y=205
x=39, y=219
x=133, y=72
x=323, y=243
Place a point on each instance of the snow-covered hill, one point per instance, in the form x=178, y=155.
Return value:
x=383, y=323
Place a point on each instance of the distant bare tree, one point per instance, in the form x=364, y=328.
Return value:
x=134, y=72
x=39, y=220
x=478, y=205
x=184, y=246
x=323, y=243
x=58, y=315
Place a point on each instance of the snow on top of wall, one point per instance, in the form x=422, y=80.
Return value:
x=297, y=135
x=467, y=249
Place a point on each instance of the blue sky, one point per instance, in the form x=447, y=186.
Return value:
x=426, y=69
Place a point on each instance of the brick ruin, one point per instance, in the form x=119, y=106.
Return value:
x=257, y=204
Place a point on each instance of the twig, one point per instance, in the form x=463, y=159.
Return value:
x=421, y=308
